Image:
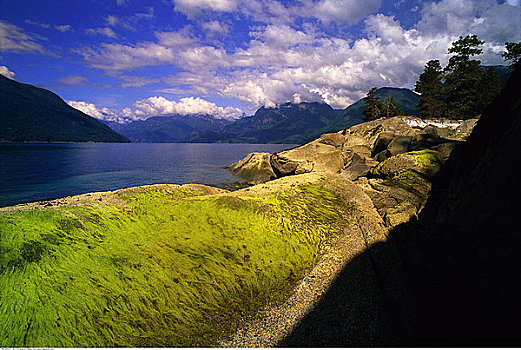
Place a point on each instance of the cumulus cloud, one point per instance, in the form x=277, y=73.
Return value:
x=159, y=105
x=6, y=72
x=284, y=61
x=215, y=28
x=92, y=110
x=14, y=39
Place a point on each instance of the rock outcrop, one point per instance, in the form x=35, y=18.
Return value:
x=394, y=160
x=254, y=167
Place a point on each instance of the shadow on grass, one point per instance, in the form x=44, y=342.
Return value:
x=451, y=277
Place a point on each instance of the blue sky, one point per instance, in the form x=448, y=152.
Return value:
x=130, y=59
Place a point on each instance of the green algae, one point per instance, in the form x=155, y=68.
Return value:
x=425, y=159
x=171, y=268
x=408, y=180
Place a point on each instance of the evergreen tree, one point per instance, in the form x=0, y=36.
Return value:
x=373, y=107
x=512, y=53
x=490, y=87
x=431, y=104
x=391, y=108
x=463, y=79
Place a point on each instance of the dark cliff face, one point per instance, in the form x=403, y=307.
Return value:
x=463, y=256
x=451, y=277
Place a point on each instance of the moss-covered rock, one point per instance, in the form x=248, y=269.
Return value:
x=167, y=266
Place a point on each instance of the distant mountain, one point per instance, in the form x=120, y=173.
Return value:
x=352, y=115
x=286, y=123
x=28, y=113
x=173, y=128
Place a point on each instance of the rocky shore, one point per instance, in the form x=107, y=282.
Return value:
x=392, y=160
x=414, y=225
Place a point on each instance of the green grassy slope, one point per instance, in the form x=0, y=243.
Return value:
x=28, y=113
x=170, y=268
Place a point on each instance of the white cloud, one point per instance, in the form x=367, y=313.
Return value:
x=341, y=11
x=6, y=72
x=106, y=31
x=159, y=105
x=14, y=39
x=194, y=8
x=215, y=28
x=284, y=62
x=63, y=28
x=136, y=81
x=75, y=79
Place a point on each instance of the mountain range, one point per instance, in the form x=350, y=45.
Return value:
x=285, y=123
x=29, y=113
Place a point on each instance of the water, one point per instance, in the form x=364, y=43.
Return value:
x=35, y=172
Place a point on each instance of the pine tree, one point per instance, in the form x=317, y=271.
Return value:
x=431, y=104
x=391, y=108
x=490, y=87
x=512, y=53
x=463, y=79
x=373, y=107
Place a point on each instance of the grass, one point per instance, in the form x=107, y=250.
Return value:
x=170, y=269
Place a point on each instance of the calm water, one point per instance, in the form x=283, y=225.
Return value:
x=34, y=172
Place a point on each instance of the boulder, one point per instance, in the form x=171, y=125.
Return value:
x=286, y=163
x=399, y=144
x=382, y=141
x=423, y=162
x=328, y=162
x=373, y=129
x=356, y=167
x=333, y=139
x=254, y=167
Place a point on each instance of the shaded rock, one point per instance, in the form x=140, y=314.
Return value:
x=424, y=141
x=444, y=150
x=254, y=167
x=382, y=141
x=462, y=132
x=399, y=144
x=461, y=256
x=399, y=198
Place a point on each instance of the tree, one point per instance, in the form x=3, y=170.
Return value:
x=431, y=104
x=512, y=53
x=391, y=108
x=463, y=79
x=490, y=87
x=373, y=107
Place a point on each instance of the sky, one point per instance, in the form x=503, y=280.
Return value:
x=123, y=60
